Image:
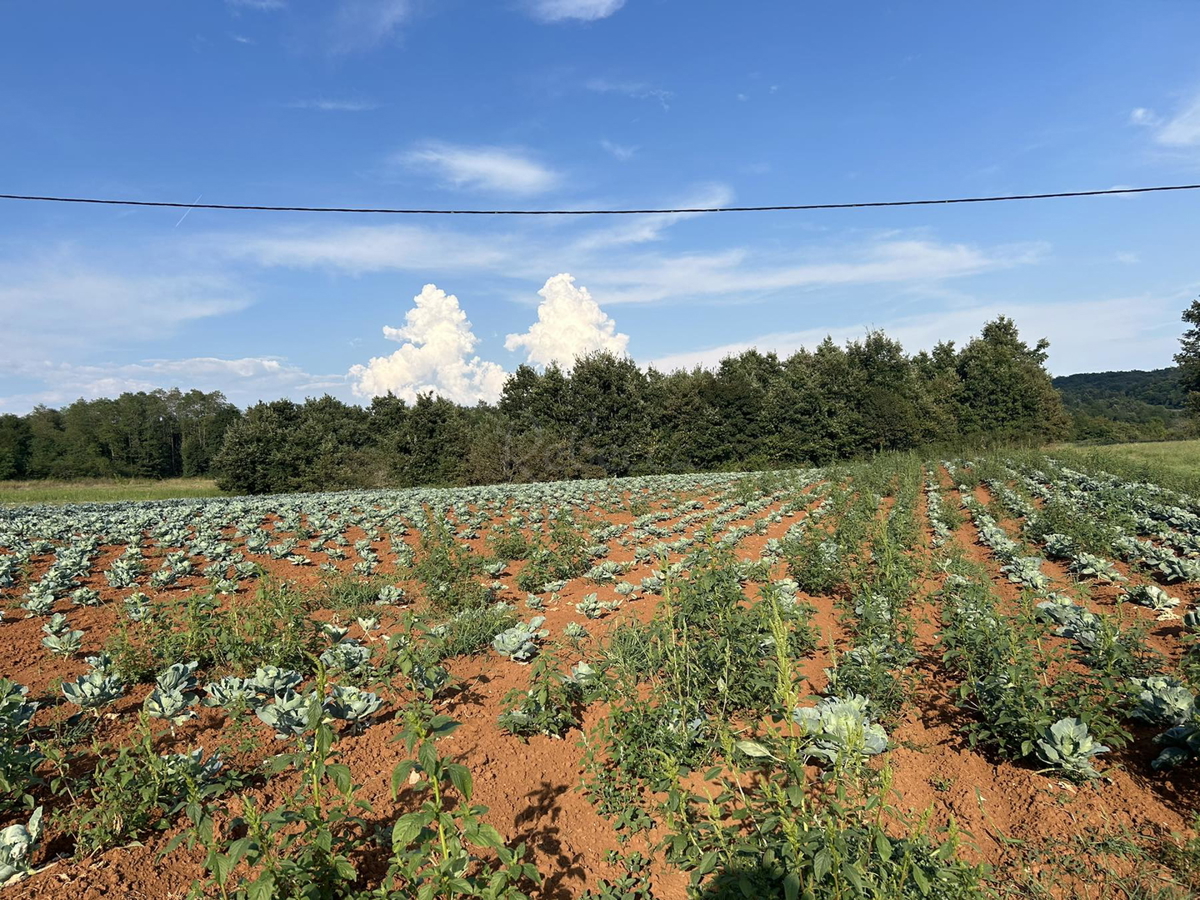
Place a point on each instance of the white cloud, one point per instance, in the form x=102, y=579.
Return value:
x=738, y=273
x=241, y=39
x=579, y=10
x=1181, y=130
x=638, y=90
x=362, y=24
x=324, y=105
x=257, y=4
x=1143, y=116
x=647, y=228
x=360, y=249
x=500, y=169
x=57, y=302
x=243, y=381
x=570, y=324
x=1125, y=333
x=1184, y=129
x=618, y=151
x=435, y=356
x=1129, y=259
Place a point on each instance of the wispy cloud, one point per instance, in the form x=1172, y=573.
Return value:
x=242, y=380
x=638, y=90
x=241, y=39
x=1080, y=333
x=499, y=169
x=745, y=275
x=644, y=229
x=359, y=249
x=577, y=10
x=364, y=24
x=325, y=105
x=57, y=302
x=257, y=4
x=1179, y=130
x=618, y=151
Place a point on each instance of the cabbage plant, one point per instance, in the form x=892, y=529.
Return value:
x=1163, y=700
x=1153, y=597
x=519, y=643
x=64, y=643
x=352, y=704
x=93, y=690
x=348, y=656
x=840, y=730
x=230, y=693
x=17, y=842
x=274, y=681
x=1069, y=746
x=288, y=714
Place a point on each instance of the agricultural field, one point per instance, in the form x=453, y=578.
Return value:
x=1175, y=462
x=944, y=678
x=104, y=489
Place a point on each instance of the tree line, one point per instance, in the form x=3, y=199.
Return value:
x=156, y=434
x=606, y=416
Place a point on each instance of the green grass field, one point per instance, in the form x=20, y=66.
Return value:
x=1173, y=464
x=105, y=489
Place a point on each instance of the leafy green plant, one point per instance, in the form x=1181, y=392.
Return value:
x=301, y=848
x=840, y=730
x=17, y=843
x=1069, y=746
x=435, y=849
x=547, y=706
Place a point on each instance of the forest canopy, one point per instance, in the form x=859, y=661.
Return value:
x=605, y=416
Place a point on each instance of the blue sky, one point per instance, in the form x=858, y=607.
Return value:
x=575, y=104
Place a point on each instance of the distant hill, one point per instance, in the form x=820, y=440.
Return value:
x=1133, y=405
x=1157, y=387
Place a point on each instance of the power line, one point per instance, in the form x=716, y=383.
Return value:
x=600, y=212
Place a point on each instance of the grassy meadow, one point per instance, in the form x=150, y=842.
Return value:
x=105, y=490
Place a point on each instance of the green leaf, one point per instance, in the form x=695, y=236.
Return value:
x=441, y=726
x=821, y=865
x=460, y=777
x=400, y=775
x=791, y=886
x=754, y=749
x=488, y=836
x=406, y=829
x=883, y=846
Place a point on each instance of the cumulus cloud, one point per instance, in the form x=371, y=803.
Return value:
x=436, y=355
x=500, y=169
x=570, y=324
x=578, y=10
